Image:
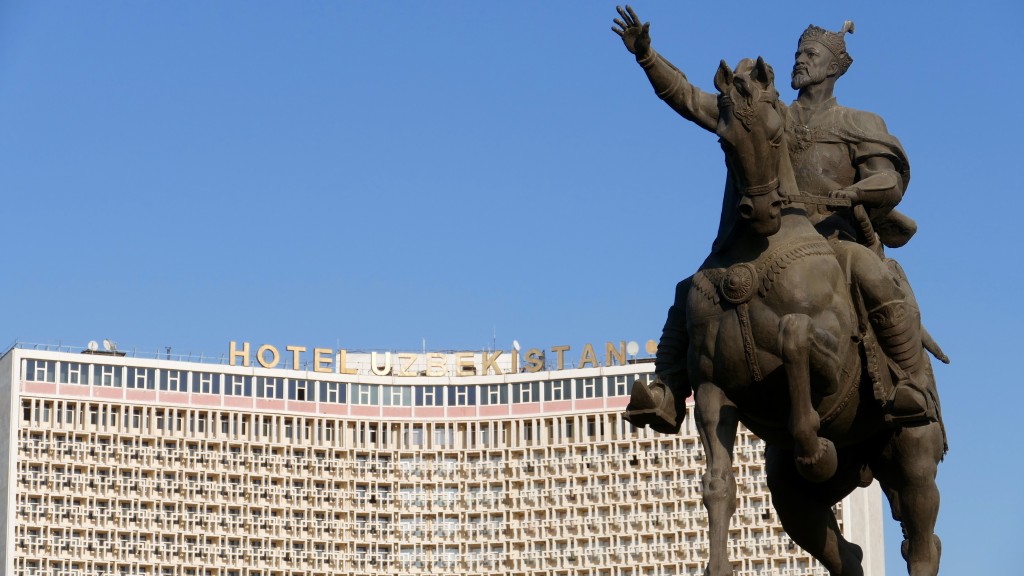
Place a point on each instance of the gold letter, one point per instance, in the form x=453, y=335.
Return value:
x=436, y=366
x=515, y=361
x=464, y=364
x=488, y=362
x=534, y=360
x=244, y=353
x=342, y=368
x=405, y=362
x=387, y=364
x=560, y=354
x=322, y=359
x=588, y=356
x=295, y=350
x=610, y=352
x=274, y=354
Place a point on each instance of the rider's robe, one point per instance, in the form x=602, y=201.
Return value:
x=828, y=148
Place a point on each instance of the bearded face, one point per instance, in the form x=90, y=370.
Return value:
x=814, y=63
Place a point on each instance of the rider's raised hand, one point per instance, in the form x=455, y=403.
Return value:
x=635, y=36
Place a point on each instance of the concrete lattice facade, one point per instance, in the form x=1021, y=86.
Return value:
x=164, y=477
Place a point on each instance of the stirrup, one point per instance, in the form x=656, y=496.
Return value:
x=908, y=405
x=653, y=406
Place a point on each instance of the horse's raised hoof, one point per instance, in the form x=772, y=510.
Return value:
x=821, y=465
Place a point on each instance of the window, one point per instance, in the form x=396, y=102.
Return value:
x=40, y=371
x=266, y=387
x=110, y=376
x=238, y=385
x=462, y=395
x=443, y=437
x=429, y=396
x=143, y=378
x=414, y=435
x=206, y=383
x=367, y=394
x=556, y=390
x=74, y=373
x=173, y=380
x=332, y=392
x=300, y=390
x=619, y=387
x=525, y=392
x=398, y=396
x=589, y=388
x=492, y=394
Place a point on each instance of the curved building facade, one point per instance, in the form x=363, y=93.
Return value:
x=125, y=466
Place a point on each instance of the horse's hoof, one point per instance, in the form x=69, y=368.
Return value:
x=821, y=465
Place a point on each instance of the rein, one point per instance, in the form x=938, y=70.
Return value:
x=762, y=189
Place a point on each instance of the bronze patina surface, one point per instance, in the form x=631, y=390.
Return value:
x=798, y=324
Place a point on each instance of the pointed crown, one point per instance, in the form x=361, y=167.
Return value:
x=834, y=41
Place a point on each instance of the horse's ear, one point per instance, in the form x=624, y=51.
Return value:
x=723, y=78
x=763, y=73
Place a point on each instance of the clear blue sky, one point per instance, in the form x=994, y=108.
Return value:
x=372, y=175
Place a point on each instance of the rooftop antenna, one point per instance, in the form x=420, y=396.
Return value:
x=109, y=345
x=92, y=346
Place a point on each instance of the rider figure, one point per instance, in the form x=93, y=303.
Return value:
x=838, y=154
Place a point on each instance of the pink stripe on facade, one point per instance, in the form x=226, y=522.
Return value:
x=429, y=412
x=205, y=400
x=498, y=410
x=618, y=402
x=308, y=407
x=104, y=392
x=175, y=397
x=558, y=406
x=75, y=390
x=140, y=395
x=396, y=412
x=528, y=408
x=364, y=410
x=462, y=411
x=335, y=409
x=239, y=402
x=261, y=404
x=39, y=387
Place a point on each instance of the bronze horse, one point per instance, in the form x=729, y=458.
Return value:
x=776, y=342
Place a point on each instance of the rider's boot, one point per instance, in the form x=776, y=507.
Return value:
x=670, y=359
x=898, y=329
x=662, y=404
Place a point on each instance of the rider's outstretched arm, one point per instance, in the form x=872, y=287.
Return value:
x=671, y=85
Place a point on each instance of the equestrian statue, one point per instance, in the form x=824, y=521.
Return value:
x=797, y=324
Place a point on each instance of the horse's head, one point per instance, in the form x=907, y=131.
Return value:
x=751, y=129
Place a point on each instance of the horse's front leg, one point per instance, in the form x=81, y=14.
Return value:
x=716, y=421
x=815, y=456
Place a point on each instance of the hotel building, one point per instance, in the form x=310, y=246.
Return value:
x=129, y=466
